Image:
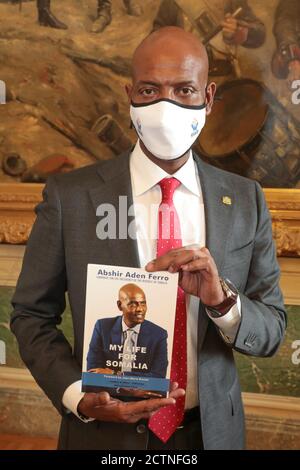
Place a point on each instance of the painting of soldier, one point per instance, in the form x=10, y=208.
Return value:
x=221, y=25
x=286, y=59
x=264, y=146
x=239, y=25
x=104, y=14
x=65, y=66
x=65, y=101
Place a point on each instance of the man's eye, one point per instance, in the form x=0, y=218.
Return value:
x=147, y=92
x=186, y=91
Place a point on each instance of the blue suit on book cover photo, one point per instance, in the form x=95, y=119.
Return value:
x=148, y=358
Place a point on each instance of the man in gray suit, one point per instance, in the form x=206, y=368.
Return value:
x=227, y=265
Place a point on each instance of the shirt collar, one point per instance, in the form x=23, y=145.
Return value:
x=145, y=174
x=136, y=328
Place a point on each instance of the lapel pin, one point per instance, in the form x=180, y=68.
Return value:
x=227, y=200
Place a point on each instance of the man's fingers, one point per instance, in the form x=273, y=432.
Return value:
x=109, y=409
x=180, y=392
x=148, y=406
x=174, y=259
x=229, y=30
x=174, y=386
x=229, y=24
x=243, y=24
x=175, y=391
x=101, y=399
x=197, y=265
x=133, y=419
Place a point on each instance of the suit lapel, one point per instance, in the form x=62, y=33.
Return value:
x=114, y=189
x=219, y=201
x=116, y=331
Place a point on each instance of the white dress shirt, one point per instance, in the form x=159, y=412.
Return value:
x=188, y=201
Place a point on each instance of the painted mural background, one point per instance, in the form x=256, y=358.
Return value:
x=65, y=100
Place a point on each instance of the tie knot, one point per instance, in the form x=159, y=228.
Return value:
x=129, y=332
x=168, y=186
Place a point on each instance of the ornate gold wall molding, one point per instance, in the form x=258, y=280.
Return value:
x=15, y=232
x=20, y=195
x=17, y=203
x=284, y=206
x=18, y=200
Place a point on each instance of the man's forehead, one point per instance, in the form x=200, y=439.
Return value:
x=169, y=45
x=179, y=70
x=135, y=295
x=183, y=61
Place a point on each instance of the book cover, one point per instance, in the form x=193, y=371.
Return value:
x=128, y=335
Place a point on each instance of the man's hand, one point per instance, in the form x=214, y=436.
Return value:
x=103, y=407
x=139, y=393
x=198, y=273
x=230, y=26
x=101, y=370
x=234, y=31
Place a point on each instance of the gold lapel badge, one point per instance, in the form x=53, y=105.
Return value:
x=227, y=200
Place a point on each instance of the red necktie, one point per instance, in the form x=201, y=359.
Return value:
x=166, y=420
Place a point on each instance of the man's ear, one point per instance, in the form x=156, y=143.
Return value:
x=210, y=94
x=128, y=89
x=119, y=304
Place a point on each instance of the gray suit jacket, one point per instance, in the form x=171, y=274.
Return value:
x=63, y=241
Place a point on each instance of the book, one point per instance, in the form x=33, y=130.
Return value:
x=128, y=331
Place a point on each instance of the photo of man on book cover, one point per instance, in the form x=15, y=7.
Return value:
x=130, y=343
x=123, y=333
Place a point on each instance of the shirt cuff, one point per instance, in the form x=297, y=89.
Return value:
x=229, y=323
x=71, y=399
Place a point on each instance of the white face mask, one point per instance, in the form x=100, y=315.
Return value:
x=167, y=129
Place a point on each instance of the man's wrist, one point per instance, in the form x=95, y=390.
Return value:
x=81, y=412
x=83, y=417
x=231, y=295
